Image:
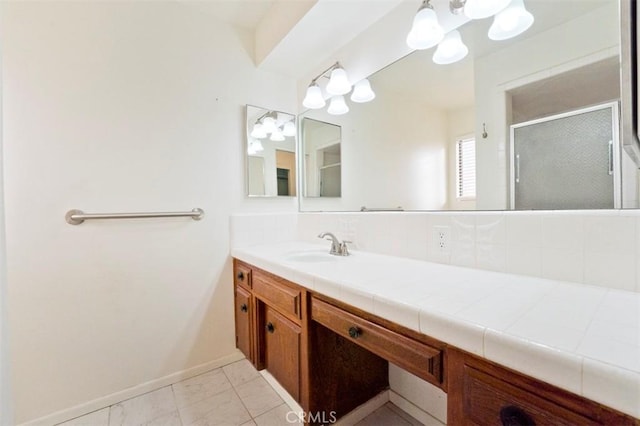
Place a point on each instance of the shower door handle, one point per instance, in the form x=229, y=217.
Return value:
x=518, y=168
x=610, y=158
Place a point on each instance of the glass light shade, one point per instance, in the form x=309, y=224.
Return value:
x=426, y=32
x=479, y=9
x=362, y=92
x=338, y=82
x=251, y=150
x=258, y=131
x=314, y=99
x=257, y=146
x=277, y=136
x=451, y=49
x=289, y=129
x=510, y=22
x=338, y=106
x=268, y=124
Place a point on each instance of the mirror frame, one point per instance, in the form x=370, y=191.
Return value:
x=629, y=95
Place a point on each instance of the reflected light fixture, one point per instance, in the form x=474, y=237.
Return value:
x=268, y=124
x=362, y=92
x=289, y=129
x=510, y=22
x=338, y=82
x=314, y=99
x=277, y=135
x=258, y=131
x=456, y=7
x=426, y=31
x=479, y=9
x=451, y=49
x=338, y=106
x=257, y=145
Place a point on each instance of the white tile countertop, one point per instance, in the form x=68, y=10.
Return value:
x=581, y=338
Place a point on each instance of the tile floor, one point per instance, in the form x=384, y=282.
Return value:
x=235, y=394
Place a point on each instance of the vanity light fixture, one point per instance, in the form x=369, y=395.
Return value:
x=510, y=22
x=426, y=31
x=338, y=106
x=337, y=87
x=480, y=9
x=314, y=99
x=510, y=19
x=362, y=92
x=451, y=49
x=338, y=82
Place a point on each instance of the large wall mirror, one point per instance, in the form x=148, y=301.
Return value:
x=525, y=123
x=271, y=153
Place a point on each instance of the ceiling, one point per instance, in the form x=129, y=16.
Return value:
x=242, y=13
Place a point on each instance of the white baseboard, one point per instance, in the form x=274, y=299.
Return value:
x=288, y=399
x=116, y=397
x=362, y=411
x=413, y=410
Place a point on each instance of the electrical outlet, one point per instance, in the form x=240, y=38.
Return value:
x=441, y=239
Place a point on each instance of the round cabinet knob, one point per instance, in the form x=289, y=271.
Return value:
x=270, y=327
x=244, y=307
x=240, y=276
x=510, y=415
x=354, y=332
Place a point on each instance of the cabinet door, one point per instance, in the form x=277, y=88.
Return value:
x=282, y=341
x=243, y=321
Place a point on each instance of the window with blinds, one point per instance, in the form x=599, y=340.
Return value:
x=466, y=168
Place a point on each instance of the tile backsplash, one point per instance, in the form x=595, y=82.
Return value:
x=592, y=247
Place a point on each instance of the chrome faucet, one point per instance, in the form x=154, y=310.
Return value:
x=337, y=248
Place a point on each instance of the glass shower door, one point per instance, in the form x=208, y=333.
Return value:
x=567, y=161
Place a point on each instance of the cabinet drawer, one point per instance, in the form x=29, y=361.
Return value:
x=287, y=298
x=242, y=275
x=420, y=359
x=489, y=400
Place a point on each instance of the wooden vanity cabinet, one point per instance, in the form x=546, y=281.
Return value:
x=282, y=350
x=332, y=357
x=272, y=334
x=244, y=310
x=481, y=392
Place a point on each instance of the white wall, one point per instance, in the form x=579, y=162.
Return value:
x=579, y=42
x=6, y=412
x=110, y=107
x=388, y=160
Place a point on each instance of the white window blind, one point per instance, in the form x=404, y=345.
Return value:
x=466, y=168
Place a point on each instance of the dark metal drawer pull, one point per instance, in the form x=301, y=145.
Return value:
x=510, y=415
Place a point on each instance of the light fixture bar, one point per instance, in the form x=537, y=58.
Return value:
x=331, y=68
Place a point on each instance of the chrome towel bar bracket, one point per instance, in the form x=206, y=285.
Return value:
x=76, y=217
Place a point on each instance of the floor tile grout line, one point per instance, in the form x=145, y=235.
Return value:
x=233, y=387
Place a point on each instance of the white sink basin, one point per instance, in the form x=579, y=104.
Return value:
x=311, y=256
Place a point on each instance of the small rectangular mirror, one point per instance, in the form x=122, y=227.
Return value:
x=322, y=158
x=271, y=153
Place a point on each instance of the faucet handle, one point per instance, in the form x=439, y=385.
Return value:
x=344, y=249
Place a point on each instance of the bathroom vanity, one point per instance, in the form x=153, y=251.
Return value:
x=332, y=355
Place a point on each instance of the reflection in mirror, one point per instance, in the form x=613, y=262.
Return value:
x=405, y=147
x=322, y=159
x=271, y=153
